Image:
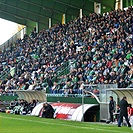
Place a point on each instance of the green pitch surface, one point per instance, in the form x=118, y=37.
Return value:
x=10, y=123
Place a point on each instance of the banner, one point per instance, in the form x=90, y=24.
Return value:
x=64, y=110
x=69, y=111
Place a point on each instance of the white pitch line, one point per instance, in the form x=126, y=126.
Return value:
x=59, y=124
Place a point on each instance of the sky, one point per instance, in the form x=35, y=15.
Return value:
x=7, y=29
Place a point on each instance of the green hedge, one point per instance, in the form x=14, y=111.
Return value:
x=87, y=100
x=8, y=98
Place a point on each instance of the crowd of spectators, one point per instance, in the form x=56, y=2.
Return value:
x=101, y=45
x=8, y=93
x=22, y=106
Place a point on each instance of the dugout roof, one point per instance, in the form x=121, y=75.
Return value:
x=121, y=92
x=30, y=95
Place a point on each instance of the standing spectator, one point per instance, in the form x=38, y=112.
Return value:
x=117, y=114
x=112, y=105
x=130, y=114
x=123, y=112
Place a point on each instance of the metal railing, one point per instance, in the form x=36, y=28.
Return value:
x=6, y=73
x=60, y=71
x=66, y=70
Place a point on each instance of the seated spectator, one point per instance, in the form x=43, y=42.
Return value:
x=54, y=88
x=96, y=91
x=12, y=104
x=71, y=93
x=131, y=84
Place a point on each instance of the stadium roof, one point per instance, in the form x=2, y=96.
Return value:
x=23, y=11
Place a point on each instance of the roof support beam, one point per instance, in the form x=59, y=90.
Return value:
x=38, y=15
x=83, y=3
x=20, y=18
x=32, y=3
x=72, y=6
x=16, y=17
x=47, y=8
x=42, y=6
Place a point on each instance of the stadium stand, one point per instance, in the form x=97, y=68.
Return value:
x=94, y=50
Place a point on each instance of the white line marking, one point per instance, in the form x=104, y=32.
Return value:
x=59, y=124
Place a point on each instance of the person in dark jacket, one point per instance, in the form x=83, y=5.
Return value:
x=123, y=112
x=112, y=105
x=117, y=112
x=47, y=111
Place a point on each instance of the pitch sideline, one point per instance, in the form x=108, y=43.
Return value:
x=59, y=124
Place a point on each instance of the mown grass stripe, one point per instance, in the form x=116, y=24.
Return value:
x=66, y=125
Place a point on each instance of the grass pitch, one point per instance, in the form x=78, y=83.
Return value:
x=10, y=123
